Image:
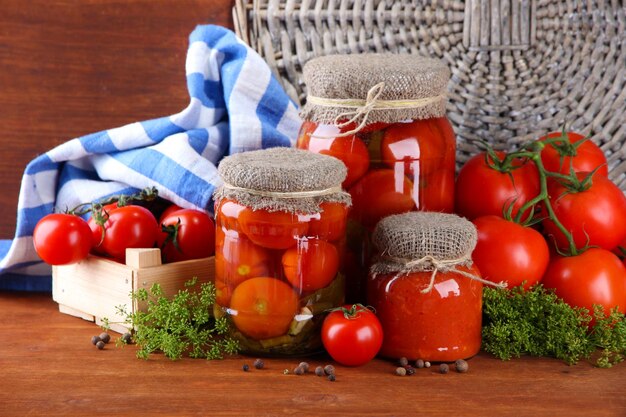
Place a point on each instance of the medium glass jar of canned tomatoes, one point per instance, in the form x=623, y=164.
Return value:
x=426, y=292
x=281, y=220
x=383, y=115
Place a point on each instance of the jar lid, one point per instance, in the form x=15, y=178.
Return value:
x=421, y=241
x=285, y=179
x=395, y=87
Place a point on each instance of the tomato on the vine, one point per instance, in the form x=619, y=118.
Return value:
x=509, y=252
x=311, y=265
x=128, y=227
x=482, y=189
x=186, y=234
x=96, y=231
x=352, y=335
x=595, y=276
x=573, y=152
x=595, y=216
x=62, y=239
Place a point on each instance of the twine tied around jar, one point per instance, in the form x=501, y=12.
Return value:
x=363, y=108
x=281, y=194
x=427, y=262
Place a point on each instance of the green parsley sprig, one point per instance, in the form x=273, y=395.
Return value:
x=536, y=322
x=180, y=325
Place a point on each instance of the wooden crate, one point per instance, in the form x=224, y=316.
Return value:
x=93, y=288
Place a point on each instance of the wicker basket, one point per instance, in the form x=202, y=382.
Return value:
x=520, y=68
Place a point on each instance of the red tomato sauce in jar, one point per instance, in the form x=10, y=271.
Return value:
x=441, y=325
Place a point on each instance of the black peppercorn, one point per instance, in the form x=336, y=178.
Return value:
x=245, y=367
x=100, y=344
x=298, y=370
x=95, y=339
x=127, y=338
x=409, y=370
x=444, y=368
x=461, y=366
x=403, y=361
x=332, y=377
x=419, y=363
x=304, y=366
x=105, y=337
x=329, y=370
x=400, y=371
x=319, y=371
x=259, y=364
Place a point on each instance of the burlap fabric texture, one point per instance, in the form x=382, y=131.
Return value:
x=397, y=87
x=423, y=241
x=282, y=179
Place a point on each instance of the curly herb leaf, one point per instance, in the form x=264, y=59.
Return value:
x=180, y=325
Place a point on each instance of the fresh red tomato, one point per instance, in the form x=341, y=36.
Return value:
x=62, y=239
x=564, y=155
x=186, y=234
x=596, y=276
x=349, y=149
x=128, y=227
x=509, y=252
x=352, y=335
x=595, y=216
x=169, y=210
x=331, y=224
x=482, y=189
x=272, y=229
x=380, y=193
x=312, y=265
x=238, y=259
x=96, y=231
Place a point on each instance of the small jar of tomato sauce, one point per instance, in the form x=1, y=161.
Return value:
x=384, y=116
x=280, y=235
x=424, y=287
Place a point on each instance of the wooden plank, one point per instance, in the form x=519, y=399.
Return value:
x=49, y=367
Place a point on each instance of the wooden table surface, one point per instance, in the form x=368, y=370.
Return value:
x=50, y=367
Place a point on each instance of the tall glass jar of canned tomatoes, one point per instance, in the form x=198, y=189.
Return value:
x=281, y=220
x=424, y=287
x=383, y=115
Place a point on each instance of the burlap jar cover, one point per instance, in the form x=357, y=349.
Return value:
x=425, y=242
x=368, y=88
x=282, y=179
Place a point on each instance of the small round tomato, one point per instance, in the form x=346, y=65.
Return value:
x=509, y=252
x=227, y=214
x=272, y=229
x=312, y=265
x=263, y=307
x=128, y=227
x=186, y=234
x=595, y=276
x=352, y=335
x=481, y=189
x=331, y=224
x=349, y=149
x=571, y=153
x=416, y=147
x=223, y=292
x=380, y=193
x=96, y=231
x=595, y=216
x=238, y=259
x=62, y=239
x=168, y=210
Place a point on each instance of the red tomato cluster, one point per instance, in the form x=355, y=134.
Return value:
x=265, y=261
x=182, y=234
x=561, y=183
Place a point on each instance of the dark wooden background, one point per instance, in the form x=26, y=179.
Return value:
x=72, y=67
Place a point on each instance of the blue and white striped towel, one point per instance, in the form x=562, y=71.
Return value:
x=236, y=105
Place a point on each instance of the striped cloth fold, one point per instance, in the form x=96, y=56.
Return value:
x=235, y=105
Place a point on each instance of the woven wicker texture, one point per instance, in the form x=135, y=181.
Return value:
x=520, y=68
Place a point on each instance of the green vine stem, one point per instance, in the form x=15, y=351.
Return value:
x=146, y=194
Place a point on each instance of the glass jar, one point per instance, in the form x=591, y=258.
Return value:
x=424, y=287
x=442, y=325
x=278, y=252
x=384, y=117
